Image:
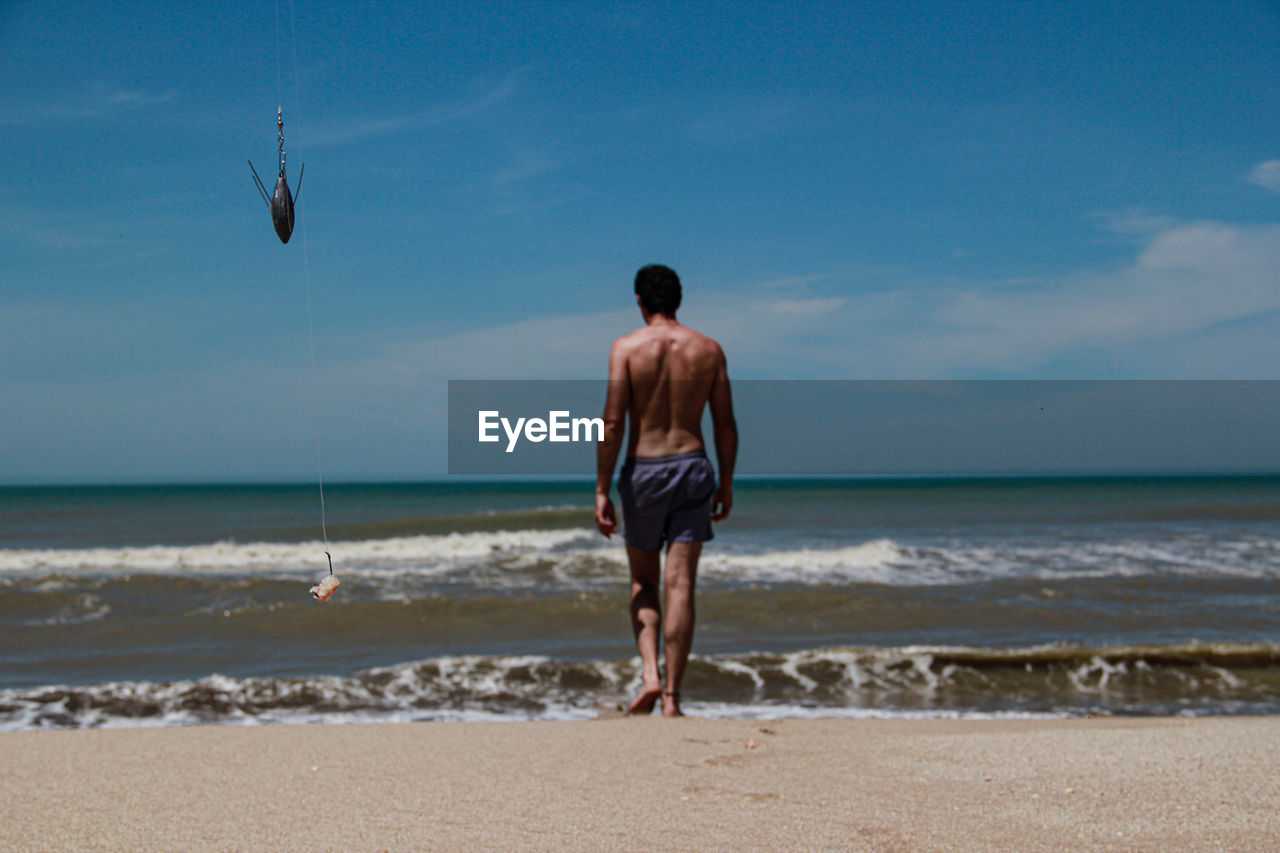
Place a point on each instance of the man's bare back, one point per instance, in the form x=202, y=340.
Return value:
x=671, y=371
x=662, y=377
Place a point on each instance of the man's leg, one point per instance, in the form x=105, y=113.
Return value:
x=681, y=577
x=646, y=624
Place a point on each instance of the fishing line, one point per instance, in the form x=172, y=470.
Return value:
x=306, y=277
x=279, y=96
x=326, y=587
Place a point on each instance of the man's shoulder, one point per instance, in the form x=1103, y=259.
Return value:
x=705, y=338
x=636, y=340
x=705, y=343
x=630, y=339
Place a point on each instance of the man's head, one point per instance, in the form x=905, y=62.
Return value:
x=659, y=289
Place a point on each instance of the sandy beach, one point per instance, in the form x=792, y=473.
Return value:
x=1068, y=784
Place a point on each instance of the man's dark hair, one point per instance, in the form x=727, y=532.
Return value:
x=659, y=289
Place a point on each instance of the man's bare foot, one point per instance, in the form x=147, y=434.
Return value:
x=671, y=704
x=646, y=700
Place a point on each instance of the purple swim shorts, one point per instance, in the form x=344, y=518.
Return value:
x=666, y=498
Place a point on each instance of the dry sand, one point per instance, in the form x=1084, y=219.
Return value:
x=621, y=784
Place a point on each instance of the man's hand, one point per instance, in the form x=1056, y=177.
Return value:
x=606, y=520
x=721, y=503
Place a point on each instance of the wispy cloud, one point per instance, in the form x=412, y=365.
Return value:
x=570, y=346
x=801, y=307
x=750, y=118
x=55, y=230
x=1194, y=300
x=358, y=129
x=1183, y=281
x=1134, y=221
x=99, y=101
x=523, y=166
x=137, y=98
x=1267, y=175
x=792, y=283
x=524, y=184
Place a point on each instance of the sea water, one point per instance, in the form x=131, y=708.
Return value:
x=163, y=605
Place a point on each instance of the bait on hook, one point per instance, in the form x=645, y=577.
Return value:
x=324, y=590
x=281, y=201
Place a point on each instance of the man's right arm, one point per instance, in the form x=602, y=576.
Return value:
x=615, y=419
x=725, y=430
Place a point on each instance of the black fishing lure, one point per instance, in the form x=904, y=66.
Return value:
x=281, y=201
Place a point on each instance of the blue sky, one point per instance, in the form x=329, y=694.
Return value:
x=873, y=191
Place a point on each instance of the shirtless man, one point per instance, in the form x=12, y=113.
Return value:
x=663, y=376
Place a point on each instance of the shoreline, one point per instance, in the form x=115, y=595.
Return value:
x=1108, y=783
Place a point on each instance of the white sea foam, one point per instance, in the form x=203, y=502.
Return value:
x=579, y=558
x=419, y=552
x=941, y=681
x=34, y=718
x=884, y=561
x=877, y=561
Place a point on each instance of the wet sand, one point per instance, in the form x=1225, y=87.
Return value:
x=901, y=785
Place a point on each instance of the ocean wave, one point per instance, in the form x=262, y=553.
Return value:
x=581, y=559
x=884, y=561
x=422, y=553
x=539, y=518
x=447, y=688
x=1190, y=678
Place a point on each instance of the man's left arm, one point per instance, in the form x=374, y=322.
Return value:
x=725, y=429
